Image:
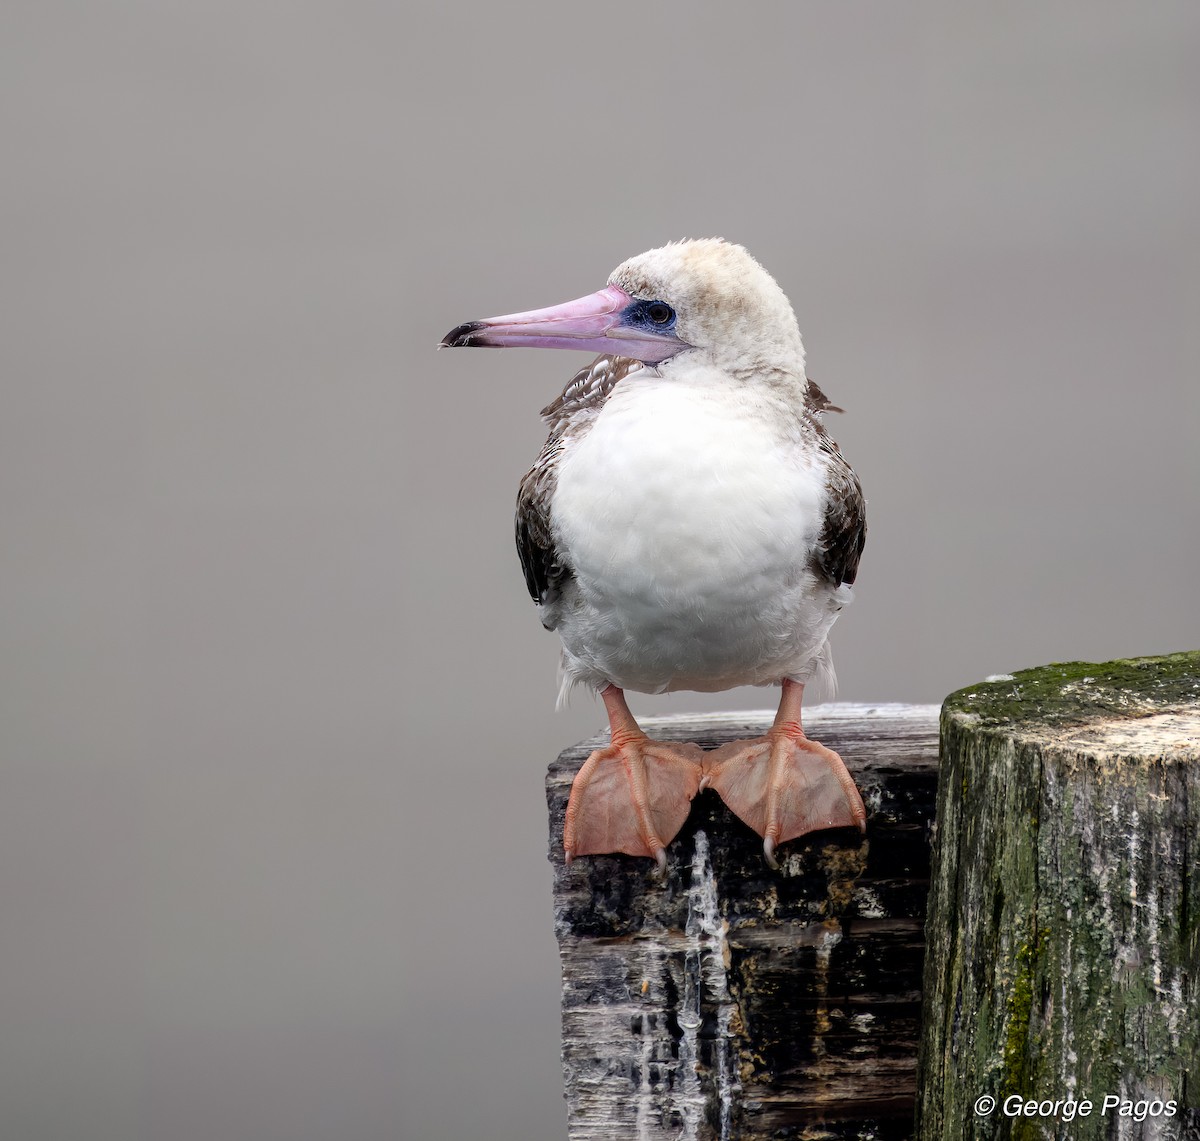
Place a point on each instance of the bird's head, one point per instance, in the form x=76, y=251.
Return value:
x=706, y=297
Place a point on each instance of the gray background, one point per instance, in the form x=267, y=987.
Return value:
x=274, y=708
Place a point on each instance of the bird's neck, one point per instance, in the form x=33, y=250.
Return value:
x=776, y=365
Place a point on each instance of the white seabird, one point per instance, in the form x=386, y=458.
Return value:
x=688, y=525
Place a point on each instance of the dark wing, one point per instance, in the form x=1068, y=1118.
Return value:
x=845, y=530
x=544, y=572
x=569, y=417
x=586, y=392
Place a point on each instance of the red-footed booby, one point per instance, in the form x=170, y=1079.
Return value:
x=688, y=525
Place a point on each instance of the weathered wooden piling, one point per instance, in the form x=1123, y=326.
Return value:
x=1064, y=917
x=732, y=1001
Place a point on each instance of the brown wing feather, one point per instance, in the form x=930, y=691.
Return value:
x=816, y=399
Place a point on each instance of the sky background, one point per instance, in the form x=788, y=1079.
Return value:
x=275, y=708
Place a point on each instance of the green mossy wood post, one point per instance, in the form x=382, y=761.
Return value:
x=1064, y=915
x=730, y=1001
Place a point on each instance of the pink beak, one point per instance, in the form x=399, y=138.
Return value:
x=594, y=323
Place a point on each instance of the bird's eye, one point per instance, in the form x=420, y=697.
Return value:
x=659, y=312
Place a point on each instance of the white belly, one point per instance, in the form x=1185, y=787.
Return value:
x=689, y=523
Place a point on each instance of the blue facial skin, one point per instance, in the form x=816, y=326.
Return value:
x=637, y=316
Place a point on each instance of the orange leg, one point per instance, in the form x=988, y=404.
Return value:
x=633, y=795
x=784, y=785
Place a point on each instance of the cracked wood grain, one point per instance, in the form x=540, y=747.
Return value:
x=1064, y=921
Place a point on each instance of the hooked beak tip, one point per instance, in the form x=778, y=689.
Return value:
x=460, y=336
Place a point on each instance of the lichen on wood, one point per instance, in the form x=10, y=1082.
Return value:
x=1064, y=918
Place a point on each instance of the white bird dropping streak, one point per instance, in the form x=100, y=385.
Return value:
x=705, y=977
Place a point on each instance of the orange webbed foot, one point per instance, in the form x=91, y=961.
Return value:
x=631, y=796
x=783, y=785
